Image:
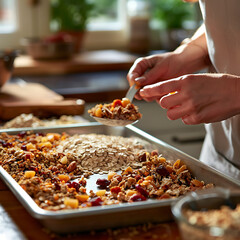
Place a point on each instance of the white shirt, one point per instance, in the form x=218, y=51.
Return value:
x=221, y=148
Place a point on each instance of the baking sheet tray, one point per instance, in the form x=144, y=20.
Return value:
x=125, y=214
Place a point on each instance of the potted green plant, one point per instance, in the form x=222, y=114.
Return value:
x=71, y=17
x=172, y=14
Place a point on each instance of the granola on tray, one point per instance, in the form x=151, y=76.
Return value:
x=53, y=169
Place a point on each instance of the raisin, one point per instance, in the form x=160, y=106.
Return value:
x=137, y=198
x=97, y=201
x=116, y=189
x=22, y=134
x=141, y=190
x=143, y=157
x=103, y=183
x=161, y=170
x=24, y=147
x=57, y=186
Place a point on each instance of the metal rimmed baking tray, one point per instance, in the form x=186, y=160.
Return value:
x=114, y=215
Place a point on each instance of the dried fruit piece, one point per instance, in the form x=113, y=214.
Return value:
x=71, y=202
x=177, y=164
x=100, y=193
x=98, y=112
x=82, y=198
x=29, y=174
x=115, y=189
x=141, y=190
x=63, y=177
x=97, y=201
x=162, y=171
x=137, y=198
x=125, y=102
x=116, y=102
x=103, y=183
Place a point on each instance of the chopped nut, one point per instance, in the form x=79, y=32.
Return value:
x=64, y=160
x=72, y=166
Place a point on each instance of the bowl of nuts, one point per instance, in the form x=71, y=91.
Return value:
x=209, y=214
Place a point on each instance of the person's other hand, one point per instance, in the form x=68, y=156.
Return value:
x=155, y=68
x=197, y=98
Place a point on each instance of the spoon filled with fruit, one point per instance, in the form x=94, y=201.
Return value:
x=120, y=112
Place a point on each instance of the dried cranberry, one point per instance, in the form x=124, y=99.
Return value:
x=27, y=156
x=97, y=201
x=73, y=185
x=7, y=144
x=39, y=134
x=137, y=198
x=76, y=185
x=2, y=141
x=22, y=134
x=103, y=183
x=57, y=186
x=141, y=190
x=24, y=147
x=161, y=170
x=143, y=157
x=115, y=189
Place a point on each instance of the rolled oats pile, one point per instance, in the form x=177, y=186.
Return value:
x=52, y=167
x=102, y=153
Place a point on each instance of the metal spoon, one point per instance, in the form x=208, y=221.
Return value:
x=117, y=122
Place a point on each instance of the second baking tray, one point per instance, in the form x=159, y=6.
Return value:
x=114, y=215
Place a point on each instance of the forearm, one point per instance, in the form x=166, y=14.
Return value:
x=193, y=52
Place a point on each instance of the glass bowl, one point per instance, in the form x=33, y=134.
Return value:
x=203, y=201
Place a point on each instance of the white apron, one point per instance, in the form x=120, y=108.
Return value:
x=221, y=148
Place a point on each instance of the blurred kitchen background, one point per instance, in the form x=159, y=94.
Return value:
x=83, y=49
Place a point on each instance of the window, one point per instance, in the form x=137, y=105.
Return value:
x=106, y=16
x=8, y=21
x=107, y=28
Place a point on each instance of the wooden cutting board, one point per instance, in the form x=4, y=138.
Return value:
x=18, y=98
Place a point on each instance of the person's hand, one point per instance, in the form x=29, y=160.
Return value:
x=187, y=58
x=197, y=98
x=155, y=68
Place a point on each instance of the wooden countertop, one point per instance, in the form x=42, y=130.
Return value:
x=102, y=60
x=16, y=223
